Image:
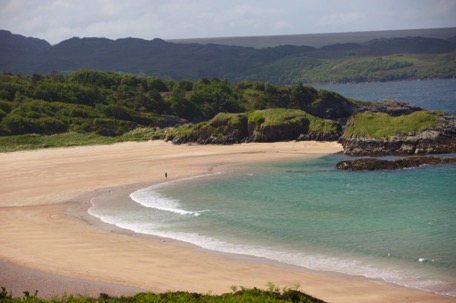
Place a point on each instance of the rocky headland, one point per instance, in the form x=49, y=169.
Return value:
x=379, y=129
x=269, y=125
x=421, y=132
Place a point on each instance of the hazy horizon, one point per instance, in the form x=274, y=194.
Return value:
x=322, y=39
x=58, y=20
x=313, y=39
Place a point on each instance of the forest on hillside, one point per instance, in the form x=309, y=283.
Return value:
x=111, y=104
x=376, y=60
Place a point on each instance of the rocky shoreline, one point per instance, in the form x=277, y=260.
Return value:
x=438, y=140
x=352, y=125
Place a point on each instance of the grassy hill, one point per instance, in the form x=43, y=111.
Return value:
x=45, y=111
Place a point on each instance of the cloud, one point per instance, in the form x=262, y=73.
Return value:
x=61, y=3
x=248, y=20
x=445, y=7
x=56, y=20
x=244, y=11
x=342, y=19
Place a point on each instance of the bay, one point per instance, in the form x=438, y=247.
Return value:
x=394, y=226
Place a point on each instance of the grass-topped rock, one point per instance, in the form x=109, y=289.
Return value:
x=281, y=124
x=420, y=132
x=269, y=125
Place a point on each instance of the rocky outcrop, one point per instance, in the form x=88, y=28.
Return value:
x=427, y=142
x=431, y=140
x=320, y=136
x=269, y=125
x=379, y=164
x=390, y=107
x=272, y=132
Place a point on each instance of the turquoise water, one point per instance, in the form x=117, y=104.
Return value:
x=396, y=226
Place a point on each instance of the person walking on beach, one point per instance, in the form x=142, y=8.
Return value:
x=166, y=175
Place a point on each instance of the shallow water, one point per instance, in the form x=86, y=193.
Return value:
x=395, y=226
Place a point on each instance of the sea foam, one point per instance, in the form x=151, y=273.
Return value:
x=150, y=197
x=311, y=261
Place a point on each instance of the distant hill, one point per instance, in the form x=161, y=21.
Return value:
x=13, y=48
x=374, y=60
x=319, y=40
x=12, y=43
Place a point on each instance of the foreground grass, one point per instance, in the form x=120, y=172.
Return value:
x=34, y=141
x=252, y=295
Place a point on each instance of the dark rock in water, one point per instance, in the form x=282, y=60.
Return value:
x=367, y=164
x=416, y=161
x=378, y=164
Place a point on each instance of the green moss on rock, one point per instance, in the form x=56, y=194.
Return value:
x=382, y=125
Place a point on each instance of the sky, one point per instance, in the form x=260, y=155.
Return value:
x=58, y=20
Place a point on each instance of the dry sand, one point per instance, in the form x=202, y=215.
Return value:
x=45, y=248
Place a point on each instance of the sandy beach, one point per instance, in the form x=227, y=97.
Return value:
x=50, y=243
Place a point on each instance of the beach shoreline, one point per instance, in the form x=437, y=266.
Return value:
x=57, y=236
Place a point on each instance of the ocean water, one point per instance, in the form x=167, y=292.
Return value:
x=397, y=226
x=428, y=94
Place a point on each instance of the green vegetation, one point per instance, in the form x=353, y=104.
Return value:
x=307, y=69
x=278, y=124
x=35, y=141
x=242, y=295
x=143, y=134
x=92, y=107
x=273, y=117
x=281, y=116
x=380, y=125
x=273, y=124
x=40, y=111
